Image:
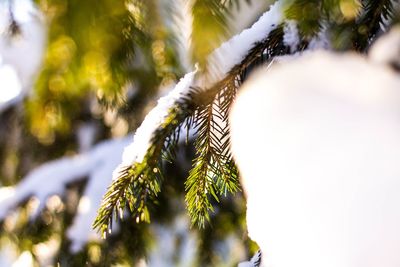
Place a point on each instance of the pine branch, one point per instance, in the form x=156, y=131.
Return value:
x=136, y=194
x=375, y=16
x=144, y=183
x=227, y=178
x=137, y=183
x=214, y=172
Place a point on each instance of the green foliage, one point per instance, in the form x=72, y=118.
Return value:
x=214, y=173
x=353, y=24
x=139, y=183
x=145, y=185
x=209, y=28
x=374, y=16
x=98, y=48
x=313, y=16
x=308, y=14
x=104, y=49
x=83, y=40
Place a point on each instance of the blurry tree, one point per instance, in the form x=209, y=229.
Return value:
x=104, y=65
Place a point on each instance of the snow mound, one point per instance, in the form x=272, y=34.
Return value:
x=317, y=141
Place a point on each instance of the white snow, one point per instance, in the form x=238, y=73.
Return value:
x=51, y=179
x=317, y=141
x=291, y=35
x=232, y=52
x=24, y=260
x=21, y=54
x=386, y=49
x=7, y=256
x=24, y=52
x=221, y=61
x=136, y=151
x=321, y=41
x=106, y=157
x=86, y=134
x=11, y=86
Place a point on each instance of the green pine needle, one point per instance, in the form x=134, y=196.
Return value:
x=370, y=21
x=214, y=173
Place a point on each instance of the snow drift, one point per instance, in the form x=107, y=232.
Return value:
x=317, y=141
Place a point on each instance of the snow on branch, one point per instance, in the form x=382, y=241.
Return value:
x=234, y=51
x=141, y=156
x=221, y=62
x=137, y=150
x=51, y=179
x=330, y=139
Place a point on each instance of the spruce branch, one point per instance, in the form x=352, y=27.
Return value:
x=139, y=184
x=136, y=182
x=375, y=16
x=214, y=172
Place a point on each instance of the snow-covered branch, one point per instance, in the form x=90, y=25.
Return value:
x=221, y=62
x=97, y=165
x=141, y=156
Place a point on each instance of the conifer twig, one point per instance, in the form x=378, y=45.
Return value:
x=137, y=179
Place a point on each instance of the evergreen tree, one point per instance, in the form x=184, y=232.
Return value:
x=104, y=65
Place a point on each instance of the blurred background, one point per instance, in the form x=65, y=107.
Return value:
x=76, y=80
